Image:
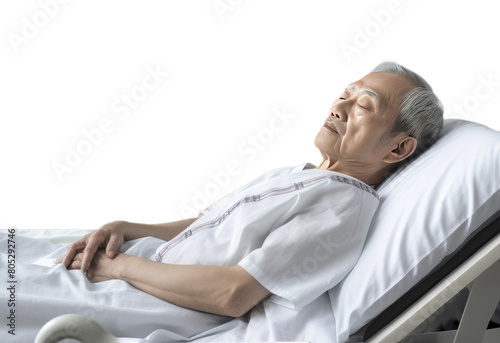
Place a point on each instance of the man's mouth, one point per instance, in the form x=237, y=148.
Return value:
x=329, y=126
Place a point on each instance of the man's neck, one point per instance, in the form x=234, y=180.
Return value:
x=371, y=175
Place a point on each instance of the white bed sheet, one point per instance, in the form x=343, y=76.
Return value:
x=267, y=322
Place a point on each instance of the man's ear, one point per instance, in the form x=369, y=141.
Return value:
x=402, y=150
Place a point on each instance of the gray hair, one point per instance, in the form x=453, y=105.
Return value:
x=420, y=113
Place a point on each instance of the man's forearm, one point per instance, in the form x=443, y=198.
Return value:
x=165, y=231
x=216, y=289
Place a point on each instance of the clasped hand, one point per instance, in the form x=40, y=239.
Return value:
x=96, y=253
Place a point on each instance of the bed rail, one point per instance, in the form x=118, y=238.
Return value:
x=75, y=326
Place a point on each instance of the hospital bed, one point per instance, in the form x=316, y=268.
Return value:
x=431, y=258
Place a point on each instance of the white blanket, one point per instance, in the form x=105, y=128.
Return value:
x=123, y=310
x=44, y=291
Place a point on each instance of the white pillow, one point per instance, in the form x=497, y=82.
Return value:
x=426, y=211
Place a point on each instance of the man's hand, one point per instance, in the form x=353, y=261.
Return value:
x=102, y=267
x=109, y=237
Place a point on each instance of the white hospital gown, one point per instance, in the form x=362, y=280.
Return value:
x=298, y=231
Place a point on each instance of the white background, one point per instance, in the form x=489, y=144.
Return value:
x=231, y=70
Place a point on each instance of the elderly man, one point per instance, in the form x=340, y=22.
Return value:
x=288, y=236
x=376, y=122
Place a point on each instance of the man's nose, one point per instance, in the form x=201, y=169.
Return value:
x=342, y=108
x=339, y=113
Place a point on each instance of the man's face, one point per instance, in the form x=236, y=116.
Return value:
x=360, y=118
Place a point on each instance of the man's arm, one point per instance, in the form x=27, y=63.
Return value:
x=229, y=291
x=165, y=231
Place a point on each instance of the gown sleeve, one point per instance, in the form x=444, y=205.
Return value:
x=317, y=246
